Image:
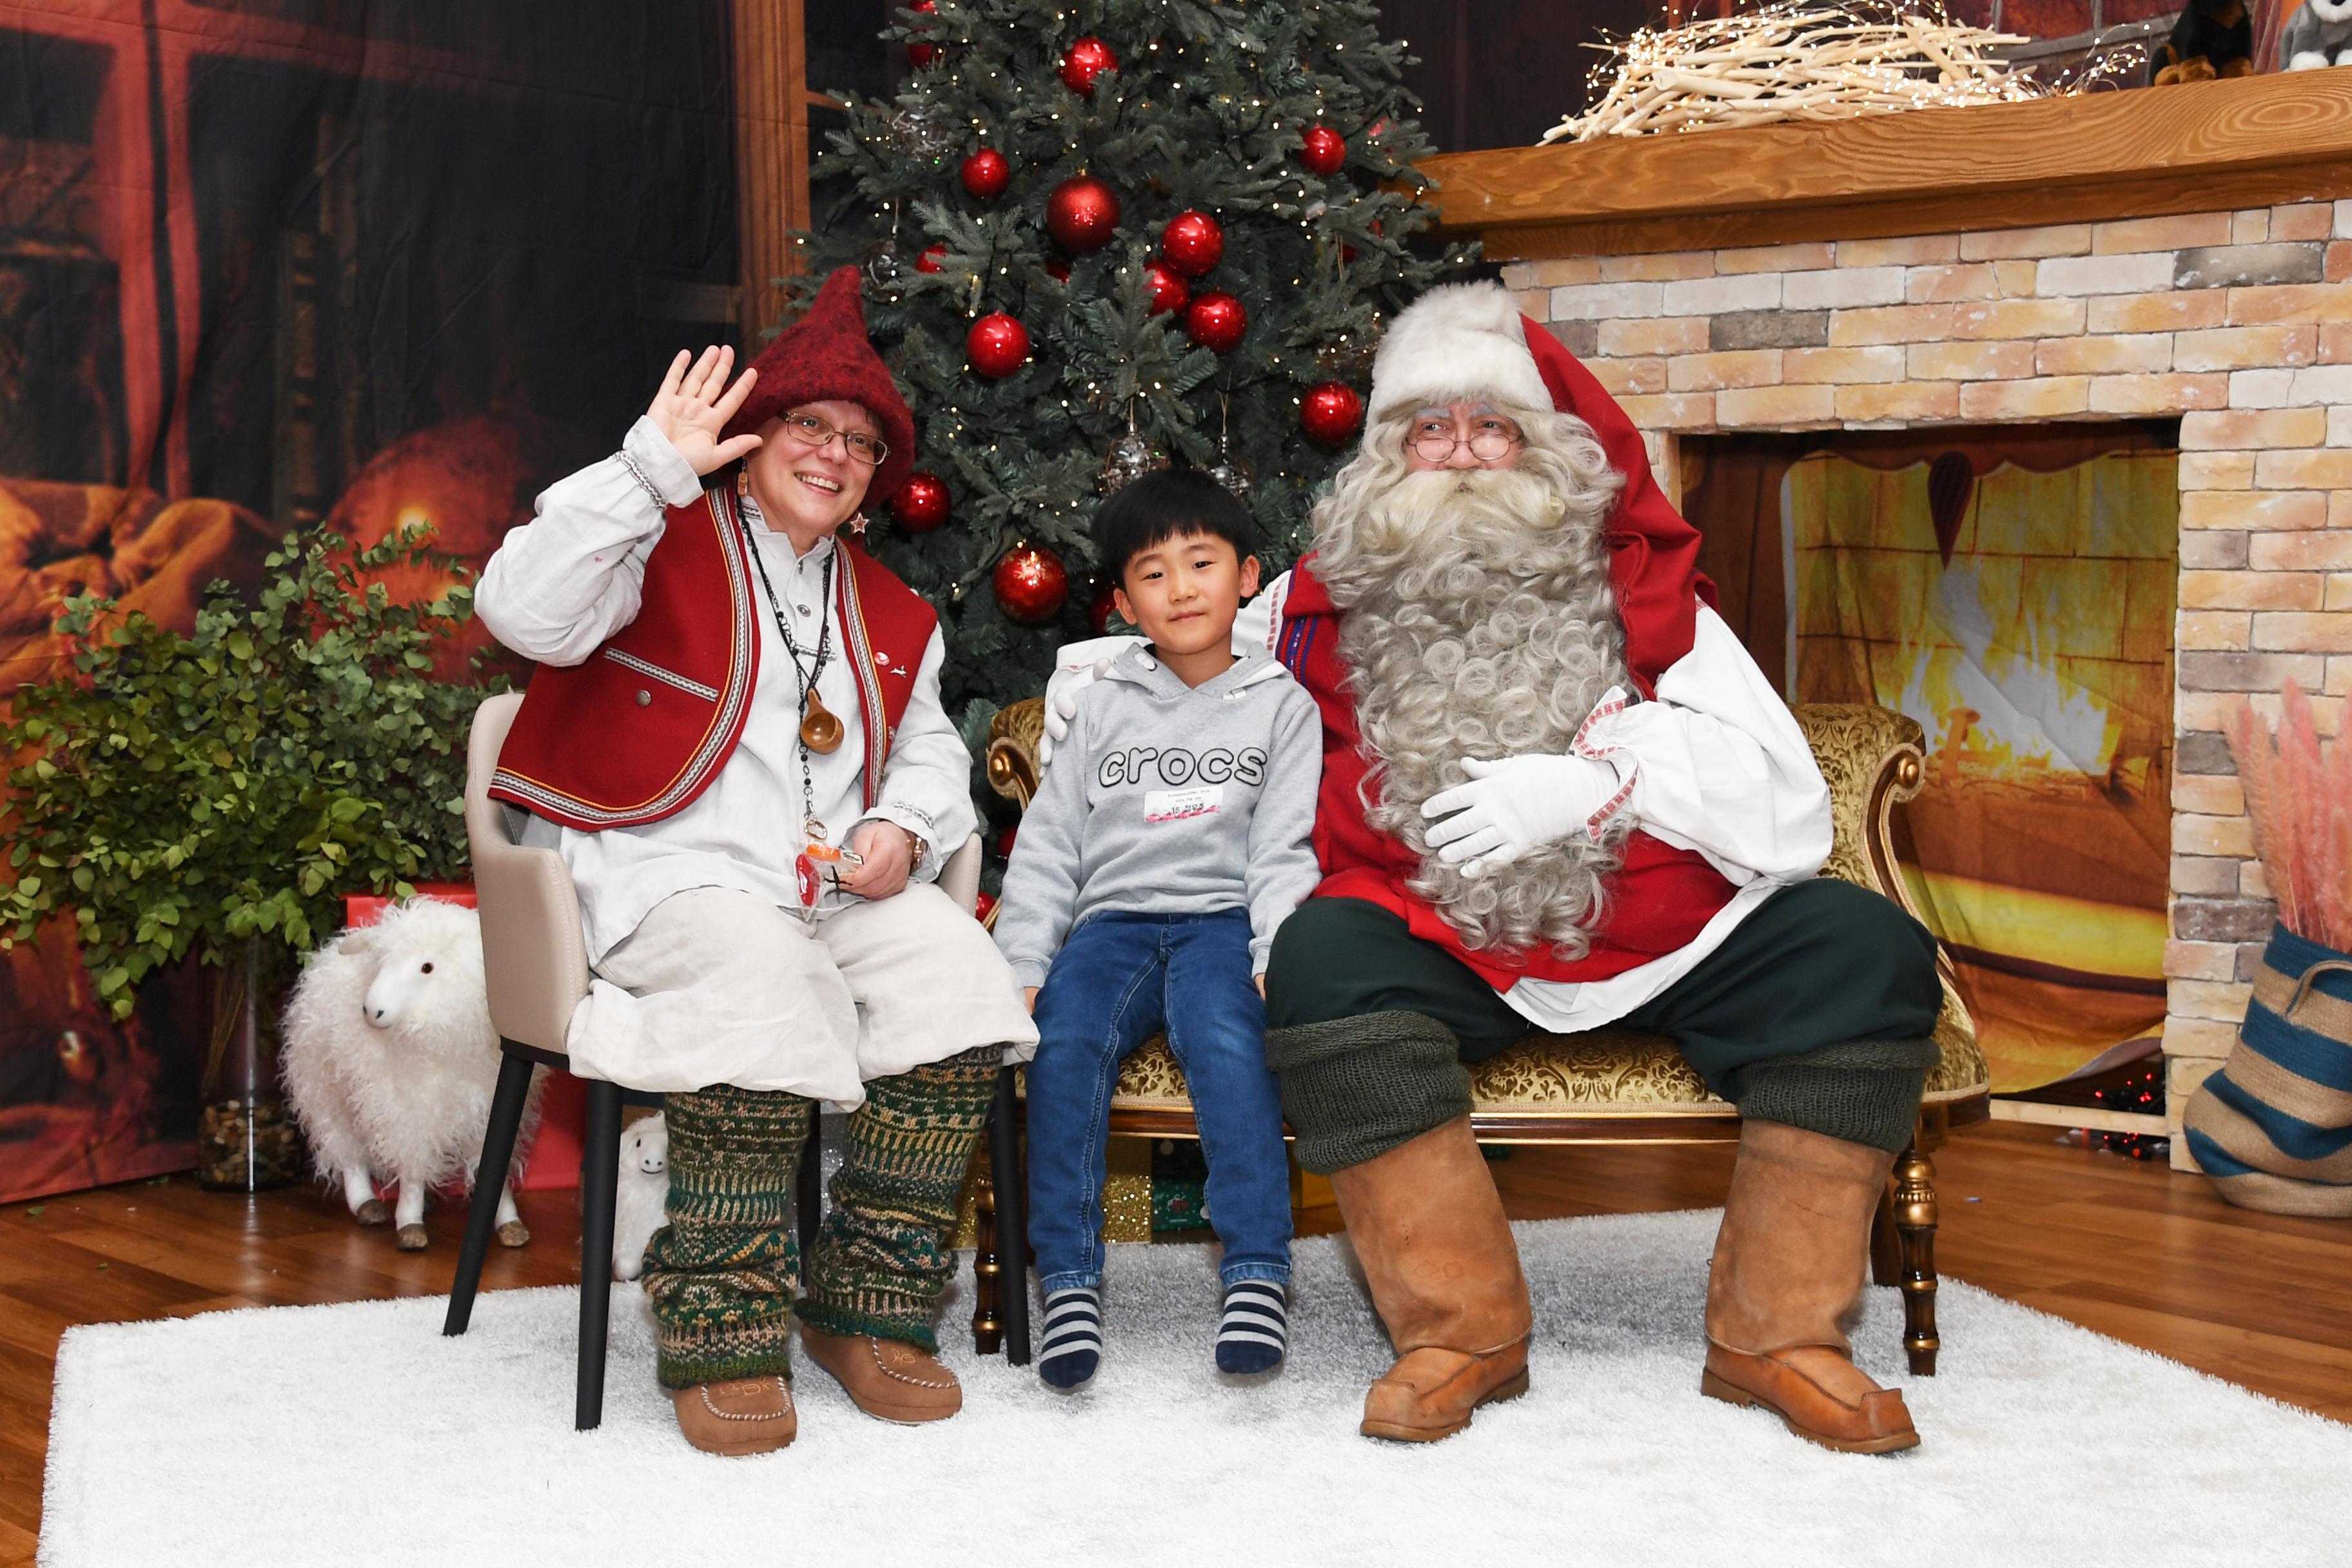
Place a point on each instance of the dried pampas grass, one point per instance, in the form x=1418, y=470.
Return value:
x=2299, y=798
x=1802, y=59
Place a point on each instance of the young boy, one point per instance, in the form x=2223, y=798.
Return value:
x=1168, y=839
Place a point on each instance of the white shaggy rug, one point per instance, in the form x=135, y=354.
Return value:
x=358, y=1435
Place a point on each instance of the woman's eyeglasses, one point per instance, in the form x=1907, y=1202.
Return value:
x=810, y=431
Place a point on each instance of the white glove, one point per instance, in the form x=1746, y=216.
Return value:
x=1515, y=805
x=1076, y=666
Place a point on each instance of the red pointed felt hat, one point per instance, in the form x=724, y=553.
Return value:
x=826, y=354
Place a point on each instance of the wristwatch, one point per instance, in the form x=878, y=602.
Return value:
x=916, y=847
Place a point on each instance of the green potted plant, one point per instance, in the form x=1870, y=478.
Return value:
x=217, y=793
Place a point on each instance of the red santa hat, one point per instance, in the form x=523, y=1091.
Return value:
x=1458, y=341
x=826, y=355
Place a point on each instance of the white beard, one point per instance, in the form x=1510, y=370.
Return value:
x=1479, y=624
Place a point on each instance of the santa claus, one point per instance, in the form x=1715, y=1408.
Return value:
x=1558, y=794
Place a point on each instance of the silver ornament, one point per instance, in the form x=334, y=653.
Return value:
x=1129, y=458
x=925, y=130
x=1234, y=473
x=885, y=269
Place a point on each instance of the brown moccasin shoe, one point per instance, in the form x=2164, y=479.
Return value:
x=1818, y=1394
x=888, y=1379
x=1431, y=1392
x=737, y=1417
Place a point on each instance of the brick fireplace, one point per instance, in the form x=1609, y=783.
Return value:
x=2111, y=285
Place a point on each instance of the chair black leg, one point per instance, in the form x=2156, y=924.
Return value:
x=1011, y=1215
x=600, y=1163
x=808, y=1186
x=489, y=1181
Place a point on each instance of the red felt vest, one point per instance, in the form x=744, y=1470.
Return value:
x=1662, y=897
x=636, y=731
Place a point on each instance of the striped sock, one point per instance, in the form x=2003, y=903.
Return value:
x=1072, y=1349
x=1251, y=1332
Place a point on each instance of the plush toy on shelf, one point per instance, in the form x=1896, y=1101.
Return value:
x=390, y=1059
x=2213, y=38
x=2318, y=34
x=640, y=1194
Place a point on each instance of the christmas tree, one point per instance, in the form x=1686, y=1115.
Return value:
x=1118, y=233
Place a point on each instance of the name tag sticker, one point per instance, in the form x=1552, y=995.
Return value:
x=1176, y=804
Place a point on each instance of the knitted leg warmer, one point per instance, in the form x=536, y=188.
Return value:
x=881, y=1260
x=1864, y=1091
x=1353, y=1089
x=720, y=1274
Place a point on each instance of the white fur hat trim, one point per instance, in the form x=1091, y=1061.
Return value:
x=1458, y=341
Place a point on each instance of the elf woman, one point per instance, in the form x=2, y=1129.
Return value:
x=736, y=742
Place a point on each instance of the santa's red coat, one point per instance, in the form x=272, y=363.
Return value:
x=1662, y=896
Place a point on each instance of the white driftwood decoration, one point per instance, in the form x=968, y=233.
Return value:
x=1803, y=59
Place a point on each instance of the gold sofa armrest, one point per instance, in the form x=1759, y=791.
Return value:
x=1874, y=760
x=1012, y=742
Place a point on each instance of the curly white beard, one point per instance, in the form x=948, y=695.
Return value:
x=1480, y=623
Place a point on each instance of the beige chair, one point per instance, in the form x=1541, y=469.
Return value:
x=1618, y=1087
x=535, y=961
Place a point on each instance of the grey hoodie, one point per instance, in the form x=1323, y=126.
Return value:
x=1168, y=799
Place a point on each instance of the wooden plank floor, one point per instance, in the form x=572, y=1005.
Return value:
x=2129, y=1249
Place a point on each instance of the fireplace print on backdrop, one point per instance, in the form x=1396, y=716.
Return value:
x=2012, y=590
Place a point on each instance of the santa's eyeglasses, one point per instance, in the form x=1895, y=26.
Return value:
x=1436, y=443
x=810, y=431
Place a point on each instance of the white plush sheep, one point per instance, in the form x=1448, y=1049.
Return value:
x=641, y=1194
x=390, y=1060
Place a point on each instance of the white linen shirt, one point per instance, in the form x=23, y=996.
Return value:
x=563, y=583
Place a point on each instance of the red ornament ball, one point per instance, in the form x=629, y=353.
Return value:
x=918, y=53
x=997, y=345
x=1104, y=605
x=934, y=257
x=921, y=503
x=1323, y=149
x=986, y=173
x=1058, y=269
x=1086, y=60
x=1031, y=583
x=1192, y=243
x=1215, y=320
x=1330, y=412
x=1081, y=214
x=1169, y=291
x=983, y=906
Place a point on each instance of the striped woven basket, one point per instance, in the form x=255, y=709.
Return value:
x=2274, y=1126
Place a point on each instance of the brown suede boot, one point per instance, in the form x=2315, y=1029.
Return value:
x=739, y=1415
x=1429, y=1229
x=1790, y=1266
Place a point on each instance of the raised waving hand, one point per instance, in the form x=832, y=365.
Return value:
x=694, y=405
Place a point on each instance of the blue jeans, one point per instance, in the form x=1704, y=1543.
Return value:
x=1118, y=980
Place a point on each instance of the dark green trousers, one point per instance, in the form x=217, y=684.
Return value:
x=1823, y=969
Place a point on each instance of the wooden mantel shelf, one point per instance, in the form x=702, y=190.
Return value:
x=2132, y=153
